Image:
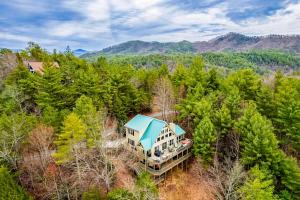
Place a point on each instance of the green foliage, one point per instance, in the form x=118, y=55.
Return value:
x=9, y=189
x=204, y=139
x=260, y=61
x=259, y=144
x=92, y=194
x=287, y=118
x=72, y=136
x=258, y=186
x=145, y=182
x=290, y=177
x=146, y=187
x=119, y=194
x=223, y=120
x=50, y=90
x=92, y=118
x=13, y=130
x=247, y=82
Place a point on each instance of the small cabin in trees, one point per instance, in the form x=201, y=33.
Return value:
x=160, y=146
x=37, y=67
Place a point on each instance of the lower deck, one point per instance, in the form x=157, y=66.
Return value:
x=160, y=171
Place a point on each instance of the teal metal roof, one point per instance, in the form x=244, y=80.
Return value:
x=151, y=133
x=149, y=128
x=146, y=143
x=179, y=130
x=139, y=123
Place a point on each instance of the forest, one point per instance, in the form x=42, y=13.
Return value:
x=244, y=121
x=261, y=61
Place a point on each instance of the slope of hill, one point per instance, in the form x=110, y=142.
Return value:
x=231, y=41
x=239, y=42
x=141, y=47
x=79, y=52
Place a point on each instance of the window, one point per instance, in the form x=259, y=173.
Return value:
x=131, y=142
x=171, y=142
x=158, y=139
x=164, y=145
x=131, y=131
x=166, y=135
x=170, y=134
x=162, y=137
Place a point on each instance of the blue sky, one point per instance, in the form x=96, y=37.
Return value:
x=94, y=24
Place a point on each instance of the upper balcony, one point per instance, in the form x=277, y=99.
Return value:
x=170, y=152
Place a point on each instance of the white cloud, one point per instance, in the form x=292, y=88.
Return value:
x=284, y=21
x=102, y=22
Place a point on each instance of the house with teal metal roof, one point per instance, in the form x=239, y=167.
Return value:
x=156, y=141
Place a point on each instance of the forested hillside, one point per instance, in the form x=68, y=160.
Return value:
x=245, y=125
x=230, y=42
x=259, y=60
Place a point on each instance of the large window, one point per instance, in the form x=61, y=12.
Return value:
x=164, y=145
x=171, y=142
x=131, y=142
x=131, y=131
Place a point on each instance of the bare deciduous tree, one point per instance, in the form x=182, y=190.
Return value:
x=165, y=95
x=227, y=178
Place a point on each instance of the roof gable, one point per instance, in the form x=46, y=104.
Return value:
x=139, y=123
x=151, y=134
x=179, y=130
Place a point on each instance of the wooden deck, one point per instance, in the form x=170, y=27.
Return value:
x=141, y=167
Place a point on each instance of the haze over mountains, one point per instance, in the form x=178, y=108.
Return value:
x=229, y=42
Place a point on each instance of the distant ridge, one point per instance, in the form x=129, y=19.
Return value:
x=79, y=52
x=229, y=42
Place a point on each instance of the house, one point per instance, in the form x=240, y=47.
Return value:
x=160, y=146
x=37, y=67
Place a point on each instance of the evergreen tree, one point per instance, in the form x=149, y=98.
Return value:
x=92, y=118
x=88, y=83
x=119, y=194
x=233, y=101
x=247, y=81
x=258, y=186
x=50, y=89
x=71, y=138
x=259, y=144
x=287, y=120
x=204, y=139
x=145, y=187
x=265, y=102
x=223, y=120
x=290, y=176
x=9, y=189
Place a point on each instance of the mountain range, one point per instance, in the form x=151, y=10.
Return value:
x=79, y=52
x=229, y=42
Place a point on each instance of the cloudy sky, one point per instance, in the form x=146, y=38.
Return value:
x=94, y=24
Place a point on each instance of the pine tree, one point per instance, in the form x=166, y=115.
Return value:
x=72, y=137
x=204, y=139
x=259, y=144
x=247, y=81
x=92, y=118
x=88, y=83
x=258, y=186
x=50, y=89
x=223, y=120
x=9, y=189
x=290, y=176
x=287, y=120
